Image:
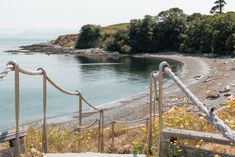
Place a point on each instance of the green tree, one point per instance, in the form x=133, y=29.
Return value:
x=170, y=28
x=141, y=34
x=219, y=6
x=223, y=28
x=198, y=38
x=119, y=42
x=90, y=36
x=230, y=45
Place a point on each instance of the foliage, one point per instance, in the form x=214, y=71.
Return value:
x=90, y=37
x=170, y=30
x=180, y=118
x=62, y=139
x=141, y=34
x=116, y=27
x=210, y=34
x=118, y=41
x=218, y=8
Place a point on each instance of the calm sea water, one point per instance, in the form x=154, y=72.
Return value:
x=100, y=80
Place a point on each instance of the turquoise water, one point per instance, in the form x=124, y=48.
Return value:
x=99, y=80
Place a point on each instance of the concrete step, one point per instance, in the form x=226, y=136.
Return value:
x=92, y=155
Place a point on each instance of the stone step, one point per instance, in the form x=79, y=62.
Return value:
x=92, y=155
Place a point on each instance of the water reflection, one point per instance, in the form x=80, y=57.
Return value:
x=136, y=67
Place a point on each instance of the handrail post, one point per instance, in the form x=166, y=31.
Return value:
x=150, y=113
x=17, y=106
x=44, y=138
x=155, y=97
x=80, y=110
x=113, y=134
x=147, y=128
x=102, y=130
x=160, y=105
x=99, y=130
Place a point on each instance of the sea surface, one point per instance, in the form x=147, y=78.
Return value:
x=100, y=80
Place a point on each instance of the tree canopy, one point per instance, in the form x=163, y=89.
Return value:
x=219, y=6
x=170, y=30
x=90, y=36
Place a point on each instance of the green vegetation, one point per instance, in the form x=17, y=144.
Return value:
x=218, y=8
x=114, y=28
x=127, y=139
x=170, y=30
x=90, y=36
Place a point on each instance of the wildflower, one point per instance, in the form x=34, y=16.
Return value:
x=33, y=150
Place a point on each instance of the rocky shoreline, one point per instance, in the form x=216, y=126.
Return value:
x=211, y=79
x=50, y=49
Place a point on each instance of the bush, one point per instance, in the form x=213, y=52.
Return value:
x=90, y=37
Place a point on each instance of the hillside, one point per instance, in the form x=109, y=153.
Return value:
x=69, y=40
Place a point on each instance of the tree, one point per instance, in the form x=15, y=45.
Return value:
x=171, y=26
x=90, y=36
x=141, y=34
x=219, y=6
x=119, y=41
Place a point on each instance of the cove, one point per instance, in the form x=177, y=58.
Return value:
x=99, y=79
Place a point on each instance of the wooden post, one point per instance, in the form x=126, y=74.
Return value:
x=113, y=134
x=147, y=126
x=80, y=110
x=17, y=108
x=150, y=114
x=155, y=97
x=102, y=131
x=160, y=104
x=99, y=136
x=45, y=140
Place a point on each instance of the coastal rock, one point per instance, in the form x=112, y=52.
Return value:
x=47, y=48
x=227, y=94
x=96, y=52
x=197, y=77
x=226, y=89
x=212, y=95
x=231, y=97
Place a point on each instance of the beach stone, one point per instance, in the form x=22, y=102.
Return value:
x=231, y=97
x=226, y=89
x=212, y=95
x=227, y=94
x=197, y=76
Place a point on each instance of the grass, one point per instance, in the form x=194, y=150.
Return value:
x=70, y=40
x=128, y=139
x=114, y=28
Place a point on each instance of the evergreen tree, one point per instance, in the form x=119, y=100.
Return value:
x=219, y=6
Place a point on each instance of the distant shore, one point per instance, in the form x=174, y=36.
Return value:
x=49, y=49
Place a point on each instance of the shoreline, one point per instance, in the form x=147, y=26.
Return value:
x=203, y=75
x=136, y=107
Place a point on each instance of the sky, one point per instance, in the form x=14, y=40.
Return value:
x=54, y=17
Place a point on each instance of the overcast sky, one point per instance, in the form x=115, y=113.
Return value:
x=17, y=16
